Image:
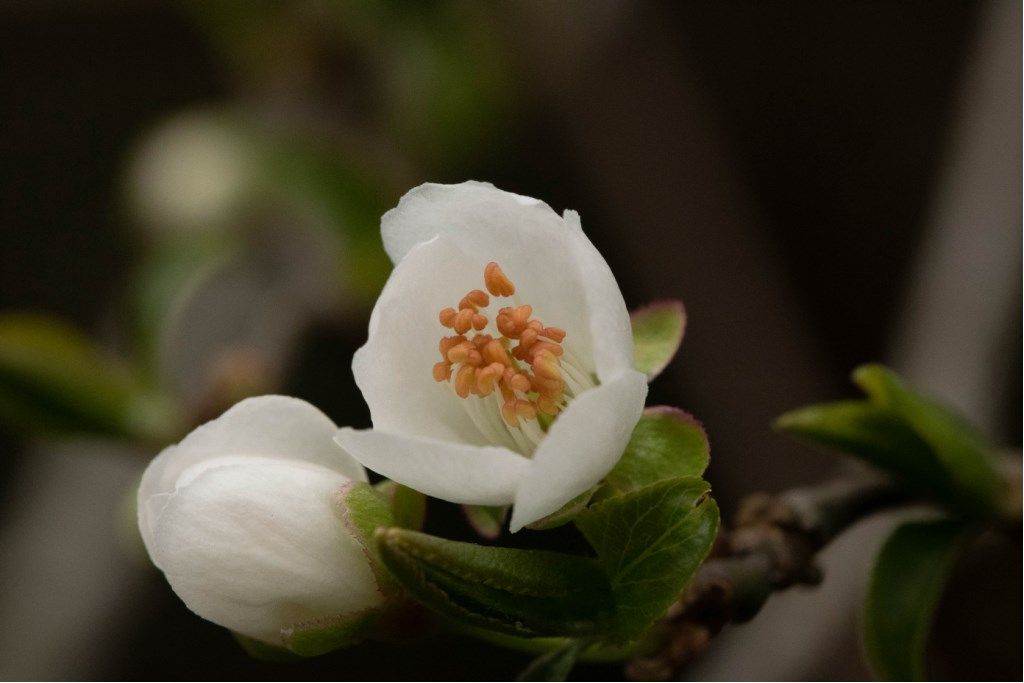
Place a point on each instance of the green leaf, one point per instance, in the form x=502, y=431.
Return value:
x=323, y=635
x=55, y=380
x=657, y=333
x=666, y=443
x=519, y=592
x=650, y=542
x=408, y=506
x=905, y=588
x=487, y=520
x=962, y=451
x=554, y=665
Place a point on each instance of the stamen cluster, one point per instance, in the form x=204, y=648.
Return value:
x=528, y=375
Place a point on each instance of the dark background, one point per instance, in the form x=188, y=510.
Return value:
x=781, y=167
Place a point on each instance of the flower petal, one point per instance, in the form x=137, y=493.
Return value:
x=268, y=426
x=257, y=546
x=475, y=475
x=554, y=266
x=581, y=447
x=393, y=368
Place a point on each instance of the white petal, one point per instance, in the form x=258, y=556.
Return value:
x=394, y=369
x=268, y=426
x=454, y=472
x=554, y=266
x=581, y=447
x=258, y=546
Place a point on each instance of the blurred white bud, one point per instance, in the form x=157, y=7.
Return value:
x=190, y=173
x=244, y=518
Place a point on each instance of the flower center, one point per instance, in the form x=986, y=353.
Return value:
x=522, y=363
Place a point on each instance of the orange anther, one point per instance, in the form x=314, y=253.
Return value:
x=556, y=334
x=464, y=380
x=447, y=343
x=478, y=298
x=527, y=338
x=463, y=320
x=548, y=405
x=519, y=382
x=496, y=281
x=508, y=411
x=460, y=352
x=494, y=352
x=447, y=317
x=546, y=347
x=479, y=322
x=525, y=410
x=442, y=372
x=521, y=314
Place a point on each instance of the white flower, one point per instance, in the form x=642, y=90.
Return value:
x=243, y=518
x=536, y=426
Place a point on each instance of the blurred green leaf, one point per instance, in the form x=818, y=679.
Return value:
x=519, y=592
x=554, y=665
x=55, y=380
x=650, y=542
x=666, y=443
x=906, y=584
x=962, y=451
x=487, y=520
x=924, y=445
x=657, y=333
x=874, y=434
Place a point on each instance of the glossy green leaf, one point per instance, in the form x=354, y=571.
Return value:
x=408, y=506
x=520, y=592
x=962, y=451
x=487, y=520
x=666, y=443
x=657, y=333
x=650, y=542
x=554, y=665
x=905, y=588
x=55, y=380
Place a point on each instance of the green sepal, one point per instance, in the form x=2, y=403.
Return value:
x=408, y=506
x=519, y=592
x=906, y=584
x=650, y=542
x=55, y=380
x=554, y=665
x=657, y=334
x=487, y=520
x=264, y=652
x=324, y=635
x=364, y=509
x=666, y=443
x=564, y=514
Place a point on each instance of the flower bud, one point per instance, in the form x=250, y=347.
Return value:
x=244, y=518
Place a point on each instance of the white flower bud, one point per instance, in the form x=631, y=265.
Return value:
x=244, y=518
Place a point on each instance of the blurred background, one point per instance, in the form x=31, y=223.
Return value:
x=189, y=214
